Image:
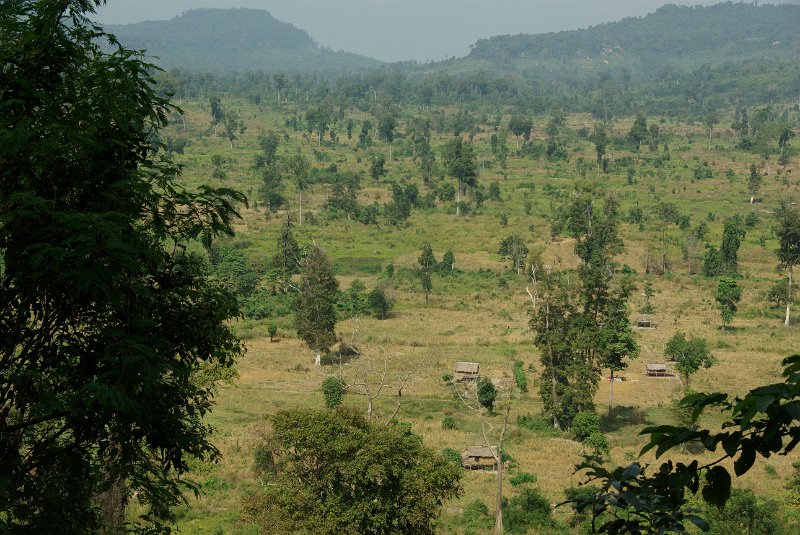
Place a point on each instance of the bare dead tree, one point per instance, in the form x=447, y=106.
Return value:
x=369, y=375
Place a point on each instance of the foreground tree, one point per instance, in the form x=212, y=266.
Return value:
x=762, y=423
x=789, y=250
x=110, y=332
x=315, y=306
x=333, y=473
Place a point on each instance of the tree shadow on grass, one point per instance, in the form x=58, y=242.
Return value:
x=623, y=416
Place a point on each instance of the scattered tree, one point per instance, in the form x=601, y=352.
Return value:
x=315, y=306
x=727, y=295
x=689, y=355
x=789, y=251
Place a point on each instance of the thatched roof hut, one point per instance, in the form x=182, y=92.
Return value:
x=479, y=457
x=466, y=371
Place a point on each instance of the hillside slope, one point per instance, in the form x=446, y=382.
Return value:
x=224, y=40
x=676, y=36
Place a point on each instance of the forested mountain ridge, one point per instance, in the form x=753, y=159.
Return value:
x=680, y=36
x=219, y=40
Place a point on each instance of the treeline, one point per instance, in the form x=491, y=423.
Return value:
x=612, y=92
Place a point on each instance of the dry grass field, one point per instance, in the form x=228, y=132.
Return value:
x=482, y=316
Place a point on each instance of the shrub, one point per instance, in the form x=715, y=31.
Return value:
x=447, y=377
x=527, y=512
x=476, y=518
x=448, y=422
x=333, y=390
x=534, y=423
x=522, y=478
x=272, y=329
x=597, y=442
x=452, y=455
x=519, y=376
x=585, y=424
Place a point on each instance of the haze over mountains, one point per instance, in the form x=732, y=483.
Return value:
x=225, y=40
x=401, y=30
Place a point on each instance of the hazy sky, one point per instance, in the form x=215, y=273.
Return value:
x=394, y=30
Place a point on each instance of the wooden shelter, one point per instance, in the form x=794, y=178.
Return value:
x=657, y=370
x=479, y=457
x=466, y=371
x=644, y=321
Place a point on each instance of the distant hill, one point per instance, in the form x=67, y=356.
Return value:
x=678, y=36
x=223, y=40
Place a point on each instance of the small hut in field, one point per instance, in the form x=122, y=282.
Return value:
x=479, y=458
x=657, y=370
x=467, y=371
x=644, y=321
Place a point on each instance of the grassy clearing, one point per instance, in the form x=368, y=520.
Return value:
x=481, y=314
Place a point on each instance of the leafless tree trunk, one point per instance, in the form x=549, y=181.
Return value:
x=498, y=524
x=789, y=299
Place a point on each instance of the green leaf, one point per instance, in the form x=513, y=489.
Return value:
x=746, y=459
x=717, y=489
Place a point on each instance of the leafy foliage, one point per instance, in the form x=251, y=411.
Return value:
x=112, y=334
x=689, y=354
x=333, y=391
x=315, y=313
x=487, y=393
x=337, y=474
x=758, y=424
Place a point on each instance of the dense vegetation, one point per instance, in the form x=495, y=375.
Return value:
x=390, y=224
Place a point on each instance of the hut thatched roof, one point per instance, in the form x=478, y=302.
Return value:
x=467, y=367
x=479, y=451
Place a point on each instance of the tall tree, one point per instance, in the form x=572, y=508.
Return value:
x=732, y=234
x=299, y=169
x=710, y=121
x=426, y=260
x=520, y=126
x=459, y=160
x=288, y=257
x=727, y=296
x=107, y=319
x=789, y=251
x=753, y=182
x=514, y=249
x=315, y=306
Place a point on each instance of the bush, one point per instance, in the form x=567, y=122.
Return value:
x=486, y=393
x=452, y=455
x=380, y=305
x=522, y=478
x=519, y=376
x=476, y=518
x=272, y=329
x=448, y=422
x=534, y=423
x=527, y=512
x=333, y=390
x=447, y=377
x=597, y=442
x=585, y=424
